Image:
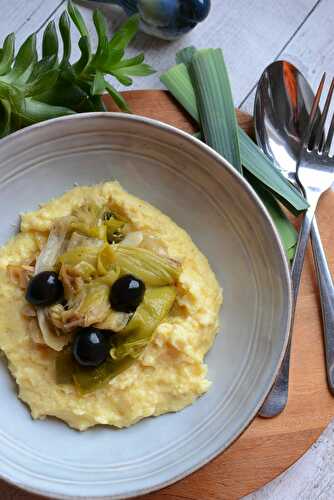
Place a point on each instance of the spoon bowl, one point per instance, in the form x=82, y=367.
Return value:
x=282, y=106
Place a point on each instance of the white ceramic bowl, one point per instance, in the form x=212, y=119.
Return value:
x=203, y=194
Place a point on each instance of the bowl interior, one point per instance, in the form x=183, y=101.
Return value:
x=193, y=186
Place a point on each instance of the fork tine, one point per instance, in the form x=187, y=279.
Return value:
x=329, y=137
x=313, y=114
x=320, y=128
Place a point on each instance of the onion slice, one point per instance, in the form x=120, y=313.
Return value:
x=54, y=246
x=46, y=261
x=50, y=337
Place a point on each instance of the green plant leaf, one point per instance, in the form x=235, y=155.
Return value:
x=178, y=82
x=7, y=91
x=215, y=104
x=24, y=61
x=133, y=61
x=111, y=60
x=33, y=89
x=97, y=103
x=98, y=84
x=136, y=70
x=69, y=95
x=41, y=83
x=118, y=98
x=50, y=41
x=124, y=80
x=125, y=34
x=42, y=66
x=77, y=19
x=35, y=111
x=65, y=33
x=5, y=112
x=7, y=54
x=101, y=30
x=84, y=46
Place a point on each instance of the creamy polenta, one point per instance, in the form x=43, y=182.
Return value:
x=166, y=377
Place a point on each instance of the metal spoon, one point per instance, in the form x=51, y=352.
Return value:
x=282, y=106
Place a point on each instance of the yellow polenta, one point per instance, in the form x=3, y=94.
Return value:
x=169, y=375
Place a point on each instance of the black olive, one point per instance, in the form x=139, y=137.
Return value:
x=127, y=293
x=91, y=346
x=44, y=289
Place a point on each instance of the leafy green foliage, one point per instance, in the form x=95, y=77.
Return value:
x=33, y=89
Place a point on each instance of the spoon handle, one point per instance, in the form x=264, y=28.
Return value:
x=278, y=396
x=326, y=288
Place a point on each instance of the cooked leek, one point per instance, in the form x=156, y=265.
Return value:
x=127, y=347
x=115, y=321
x=137, y=334
x=78, y=255
x=87, y=380
x=89, y=306
x=152, y=269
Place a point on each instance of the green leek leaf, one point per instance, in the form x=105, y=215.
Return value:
x=178, y=82
x=185, y=55
x=215, y=104
x=285, y=229
x=256, y=162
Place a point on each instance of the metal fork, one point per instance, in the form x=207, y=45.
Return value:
x=315, y=175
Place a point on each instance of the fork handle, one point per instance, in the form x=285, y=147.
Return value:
x=326, y=288
x=278, y=396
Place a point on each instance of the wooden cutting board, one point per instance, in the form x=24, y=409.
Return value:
x=267, y=447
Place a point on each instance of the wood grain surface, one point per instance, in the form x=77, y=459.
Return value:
x=267, y=447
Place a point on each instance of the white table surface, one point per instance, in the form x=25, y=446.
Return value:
x=252, y=34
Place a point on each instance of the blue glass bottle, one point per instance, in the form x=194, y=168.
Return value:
x=167, y=19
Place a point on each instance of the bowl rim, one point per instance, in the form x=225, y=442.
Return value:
x=286, y=278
